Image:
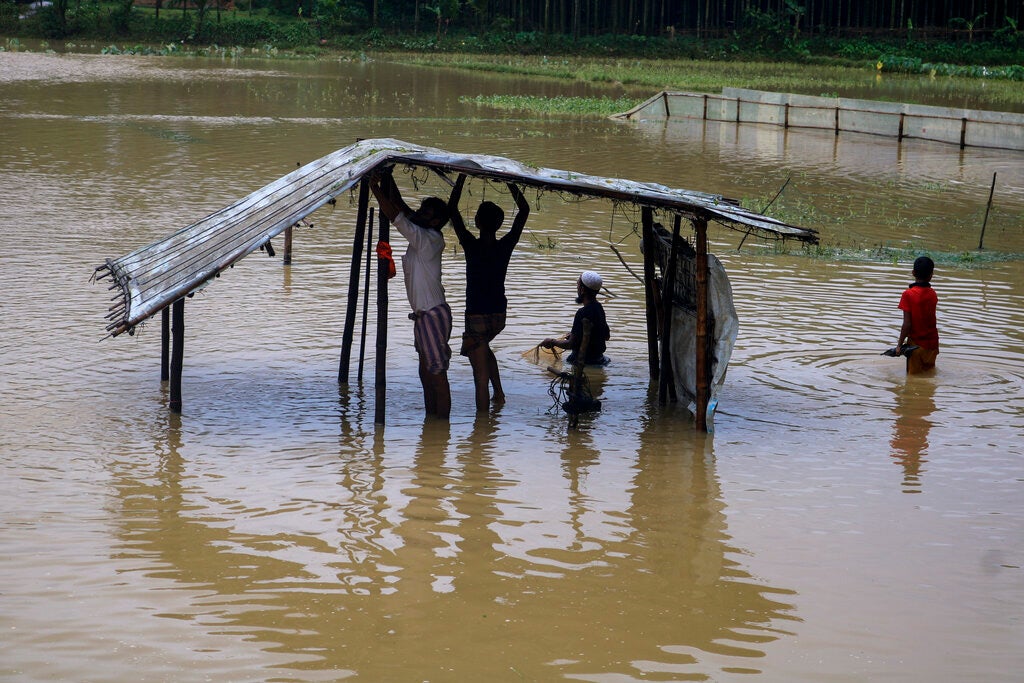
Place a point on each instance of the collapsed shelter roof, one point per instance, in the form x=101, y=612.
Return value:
x=154, y=276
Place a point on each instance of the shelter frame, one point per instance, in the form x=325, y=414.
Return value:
x=149, y=280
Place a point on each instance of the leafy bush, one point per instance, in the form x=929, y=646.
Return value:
x=915, y=65
x=8, y=16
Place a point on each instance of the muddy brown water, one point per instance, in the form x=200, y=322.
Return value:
x=843, y=523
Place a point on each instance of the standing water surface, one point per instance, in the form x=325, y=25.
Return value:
x=844, y=522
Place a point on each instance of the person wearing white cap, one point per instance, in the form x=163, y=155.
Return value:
x=587, y=288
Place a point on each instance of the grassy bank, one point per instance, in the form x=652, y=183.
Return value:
x=635, y=79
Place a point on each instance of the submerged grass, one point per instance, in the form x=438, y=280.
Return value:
x=565, y=106
x=896, y=255
x=847, y=222
x=647, y=76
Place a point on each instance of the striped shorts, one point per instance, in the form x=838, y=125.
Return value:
x=431, y=331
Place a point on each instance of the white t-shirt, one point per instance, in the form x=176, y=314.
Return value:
x=421, y=264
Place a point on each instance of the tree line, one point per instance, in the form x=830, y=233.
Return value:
x=965, y=18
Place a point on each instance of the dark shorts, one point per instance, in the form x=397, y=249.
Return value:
x=481, y=328
x=431, y=331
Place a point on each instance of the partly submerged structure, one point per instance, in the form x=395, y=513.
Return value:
x=902, y=121
x=157, y=278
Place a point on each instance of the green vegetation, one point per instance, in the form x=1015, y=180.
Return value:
x=841, y=242
x=914, y=65
x=572, y=106
x=851, y=32
x=896, y=255
x=646, y=76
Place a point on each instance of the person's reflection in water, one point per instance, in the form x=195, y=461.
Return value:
x=578, y=456
x=427, y=548
x=914, y=405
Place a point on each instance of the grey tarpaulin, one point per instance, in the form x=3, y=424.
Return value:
x=683, y=339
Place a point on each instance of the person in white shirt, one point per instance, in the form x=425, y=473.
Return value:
x=421, y=269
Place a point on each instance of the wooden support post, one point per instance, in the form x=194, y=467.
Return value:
x=837, y=120
x=903, y=119
x=366, y=296
x=287, y=258
x=786, y=117
x=963, y=132
x=380, y=376
x=666, y=380
x=649, y=290
x=177, y=352
x=165, y=344
x=353, y=282
x=703, y=360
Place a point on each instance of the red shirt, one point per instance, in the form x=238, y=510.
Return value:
x=921, y=301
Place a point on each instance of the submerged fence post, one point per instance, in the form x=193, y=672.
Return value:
x=165, y=344
x=963, y=132
x=649, y=291
x=380, y=375
x=177, y=353
x=353, y=282
x=981, y=240
x=703, y=368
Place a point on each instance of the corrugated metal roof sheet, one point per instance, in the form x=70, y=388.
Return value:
x=152, y=277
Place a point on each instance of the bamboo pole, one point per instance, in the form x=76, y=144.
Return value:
x=287, y=258
x=353, y=283
x=649, y=291
x=988, y=207
x=380, y=375
x=366, y=296
x=703, y=369
x=165, y=344
x=177, y=352
x=666, y=380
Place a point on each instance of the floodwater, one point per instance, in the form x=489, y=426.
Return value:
x=842, y=523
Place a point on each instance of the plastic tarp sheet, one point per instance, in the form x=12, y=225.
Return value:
x=683, y=340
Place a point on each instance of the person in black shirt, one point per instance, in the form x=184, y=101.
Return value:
x=487, y=260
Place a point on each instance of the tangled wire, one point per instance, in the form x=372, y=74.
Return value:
x=571, y=393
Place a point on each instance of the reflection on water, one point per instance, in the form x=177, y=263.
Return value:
x=450, y=560
x=915, y=403
x=273, y=532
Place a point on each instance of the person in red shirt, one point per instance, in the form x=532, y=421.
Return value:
x=919, y=335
